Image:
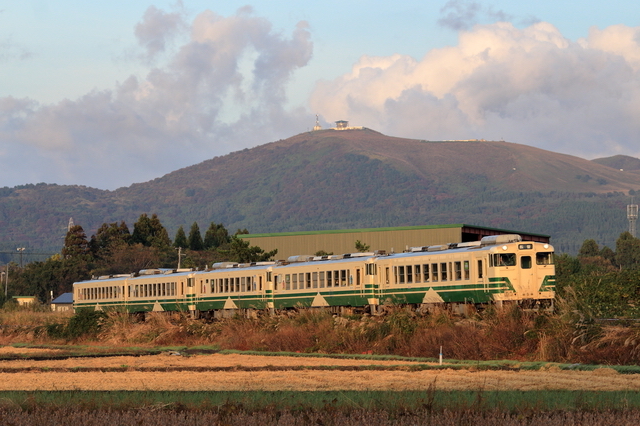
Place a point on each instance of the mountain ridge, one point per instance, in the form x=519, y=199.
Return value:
x=341, y=179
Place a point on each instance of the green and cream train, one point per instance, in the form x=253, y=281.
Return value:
x=495, y=270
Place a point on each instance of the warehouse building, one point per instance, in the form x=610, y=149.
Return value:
x=390, y=240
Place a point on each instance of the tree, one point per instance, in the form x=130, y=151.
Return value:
x=150, y=233
x=195, y=239
x=362, y=247
x=76, y=244
x=181, y=239
x=628, y=251
x=110, y=237
x=240, y=252
x=589, y=249
x=216, y=236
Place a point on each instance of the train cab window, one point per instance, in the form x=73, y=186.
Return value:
x=434, y=272
x=443, y=271
x=525, y=262
x=409, y=274
x=466, y=269
x=418, y=274
x=544, y=258
x=425, y=273
x=457, y=270
x=503, y=259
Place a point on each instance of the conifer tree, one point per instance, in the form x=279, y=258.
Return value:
x=195, y=239
x=181, y=239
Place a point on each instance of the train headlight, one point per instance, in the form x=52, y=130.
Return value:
x=504, y=247
x=546, y=246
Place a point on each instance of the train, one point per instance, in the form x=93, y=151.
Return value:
x=496, y=270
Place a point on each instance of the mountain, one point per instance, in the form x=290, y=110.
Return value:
x=331, y=179
x=620, y=162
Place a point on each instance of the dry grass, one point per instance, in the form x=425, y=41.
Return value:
x=494, y=334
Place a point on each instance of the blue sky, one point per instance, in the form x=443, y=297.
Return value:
x=106, y=94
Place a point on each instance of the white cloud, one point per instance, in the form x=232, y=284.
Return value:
x=528, y=85
x=173, y=117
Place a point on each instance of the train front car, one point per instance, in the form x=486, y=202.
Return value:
x=520, y=271
x=499, y=269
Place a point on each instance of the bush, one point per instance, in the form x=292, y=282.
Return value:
x=84, y=323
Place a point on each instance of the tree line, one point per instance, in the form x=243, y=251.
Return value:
x=115, y=249
x=602, y=283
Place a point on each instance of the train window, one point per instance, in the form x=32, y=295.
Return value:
x=357, y=276
x=315, y=280
x=336, y=278
x=466, y=269
x=480, y=269
x=425, y=273
x=226, y=285
x=372, y=269
x=190, y=282
x=457, y=270
x=418, y=274
x=308, y=279
x=287, y=282
x=329, y=282
x=238, y=283
x=503, y=259
x=443, y=271
x=544, y=258
x=395, y=275
x=434, y=272
x=322, y=283
x=401, y=274
x=343, y=277
x=409, y=274
x=525, y=246
x=294, y=281
x=525, y=261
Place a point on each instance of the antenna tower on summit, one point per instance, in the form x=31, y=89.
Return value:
x=632, y=215
x=317, y=126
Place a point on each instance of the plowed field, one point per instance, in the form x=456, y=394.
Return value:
x=234, y=372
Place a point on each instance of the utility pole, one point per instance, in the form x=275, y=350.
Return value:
x=180, y=256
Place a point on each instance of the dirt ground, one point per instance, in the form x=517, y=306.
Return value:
x=20, y=375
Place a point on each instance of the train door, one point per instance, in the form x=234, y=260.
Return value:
x=268, y=291
x=527, y=275
x=190, y=295
x=481, y=273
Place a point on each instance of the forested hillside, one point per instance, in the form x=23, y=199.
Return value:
x=347, y=179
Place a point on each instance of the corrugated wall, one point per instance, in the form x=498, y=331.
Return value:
x=344, y=242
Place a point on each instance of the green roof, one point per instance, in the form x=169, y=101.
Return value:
x=398, y=228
